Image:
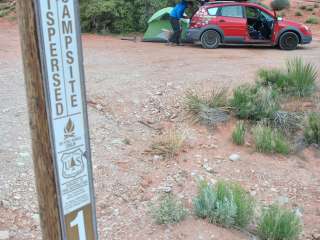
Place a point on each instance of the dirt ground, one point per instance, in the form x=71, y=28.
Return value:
x=133, y=82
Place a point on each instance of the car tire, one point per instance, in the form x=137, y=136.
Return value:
x=210, y=39
x=289, y=41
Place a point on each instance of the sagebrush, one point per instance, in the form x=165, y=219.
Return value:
x=169, y=210
x=225, y=203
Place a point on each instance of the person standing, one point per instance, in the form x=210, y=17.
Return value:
x=176, y=14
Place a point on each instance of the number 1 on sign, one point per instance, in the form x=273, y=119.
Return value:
x=79, y=221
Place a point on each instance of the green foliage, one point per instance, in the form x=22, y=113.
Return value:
x=312, y=129
x=254, y=102
x=117, y=16
x=301, y=77
x=298, y=14
x=279, y=224
x=209, y=109
x=169, y=211
x=298, y=79
x=279, y=5
x=273, y=77
x=268, y=140
x=225, y=203
x=312, y=20
x=238, y=135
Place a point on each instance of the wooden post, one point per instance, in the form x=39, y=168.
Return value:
x=41, y=147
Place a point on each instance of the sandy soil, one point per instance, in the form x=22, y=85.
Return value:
x=129, y=82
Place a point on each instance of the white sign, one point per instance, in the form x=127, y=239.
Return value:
x=60, y=43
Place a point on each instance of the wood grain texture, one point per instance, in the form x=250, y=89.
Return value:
x=42, y=154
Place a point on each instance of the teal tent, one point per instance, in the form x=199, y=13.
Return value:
x=159, y=27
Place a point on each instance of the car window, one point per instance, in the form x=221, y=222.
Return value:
x=252, y=12
x=213, y=11
x=267, y=16
x=231, y=11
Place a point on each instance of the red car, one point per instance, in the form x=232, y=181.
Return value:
x=222, y=22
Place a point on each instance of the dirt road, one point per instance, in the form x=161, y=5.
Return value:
x=128, y=82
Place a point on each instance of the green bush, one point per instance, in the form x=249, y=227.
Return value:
x=279, y=5
x=298, y=14
x=254, y=102
x=168, y=211
x=312, y=20
x=118, y=16
x=312, y=129
x=298, y=80
x=279, y=224
x=268, y=140
x=238, y=135
x=225, y=203
x=301, y=77
x=273, y=77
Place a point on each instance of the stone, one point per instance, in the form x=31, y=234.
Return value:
x=234, y=157
x=298, y=213
x=283, y=200
x=4, y=235
x=316, y=236
x=208, y=168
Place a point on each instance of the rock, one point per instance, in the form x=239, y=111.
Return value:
x=253, y=193
x=298, y=213
x=273, y=190
x=316, y=236
x=208, y=168
x=157, y=158
x=4, y=235
x=234, y=157
x=283, y=200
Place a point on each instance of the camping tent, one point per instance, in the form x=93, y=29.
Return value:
x=159, y=25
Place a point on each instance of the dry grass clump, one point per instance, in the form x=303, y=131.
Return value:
x=168, y=145
x=209, y=109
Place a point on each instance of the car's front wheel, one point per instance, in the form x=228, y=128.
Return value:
x=289, y=41
x=210, y=39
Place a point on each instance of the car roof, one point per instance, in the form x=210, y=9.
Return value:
x=235, y=3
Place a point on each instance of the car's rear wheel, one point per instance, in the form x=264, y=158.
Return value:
x=210, y=39
x=289, y=41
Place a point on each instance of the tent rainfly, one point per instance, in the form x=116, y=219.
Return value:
x=159, y=27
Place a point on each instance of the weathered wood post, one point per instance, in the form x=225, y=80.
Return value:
x=54, y=79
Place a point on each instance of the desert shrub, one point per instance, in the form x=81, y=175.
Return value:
x=254, y=102
x=279, y=5
x=225, y=203
x=279, y=224
x=169, y=210
x=312, y=129
x=208, y=109
x=168, y=145
x=287, y=122
x=303, y=7
x=298, y=14
x=301, y=77
x=268, y=140
x=312, y=20
x=310, y=8
x=274, y=77
x=238, y=135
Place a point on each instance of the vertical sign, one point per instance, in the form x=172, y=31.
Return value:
x=62, y=64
